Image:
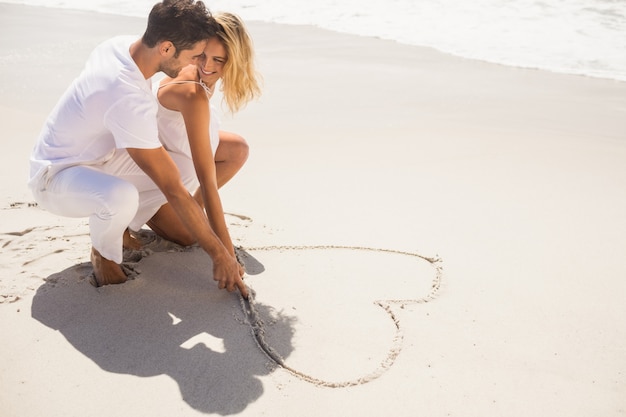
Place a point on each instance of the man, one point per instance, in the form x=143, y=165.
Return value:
x=99, y=156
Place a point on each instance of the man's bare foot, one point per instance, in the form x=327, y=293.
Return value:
x=106, y=271
x=130, y=242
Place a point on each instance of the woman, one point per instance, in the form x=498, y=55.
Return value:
x=189, y=127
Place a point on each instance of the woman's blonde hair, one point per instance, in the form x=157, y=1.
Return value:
x=240, y=80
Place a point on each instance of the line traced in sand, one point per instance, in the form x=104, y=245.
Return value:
x=258, y=328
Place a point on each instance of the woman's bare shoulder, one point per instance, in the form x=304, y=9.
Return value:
x=174, y=92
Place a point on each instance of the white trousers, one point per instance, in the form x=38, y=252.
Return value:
x=114, y=196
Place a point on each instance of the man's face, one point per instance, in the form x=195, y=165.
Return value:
x=173, y=65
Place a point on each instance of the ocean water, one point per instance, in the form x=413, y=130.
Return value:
x=583, y=37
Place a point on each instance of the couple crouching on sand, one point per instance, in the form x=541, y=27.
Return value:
x=123, y=153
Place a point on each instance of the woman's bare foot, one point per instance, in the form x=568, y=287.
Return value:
x=130, y=242
x=106, y=271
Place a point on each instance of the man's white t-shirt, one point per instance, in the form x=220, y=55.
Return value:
x=110, y=105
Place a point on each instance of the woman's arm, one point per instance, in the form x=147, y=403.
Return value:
x=196, y=113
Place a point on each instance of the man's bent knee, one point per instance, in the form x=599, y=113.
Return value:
x=120, y=201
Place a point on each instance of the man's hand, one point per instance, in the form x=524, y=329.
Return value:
x=228, y=274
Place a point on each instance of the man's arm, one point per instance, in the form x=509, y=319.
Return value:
x=158, y=165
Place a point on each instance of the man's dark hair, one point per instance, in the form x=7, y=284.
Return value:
x=182, y=22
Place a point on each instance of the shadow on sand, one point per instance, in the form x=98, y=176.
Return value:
x=170, y=320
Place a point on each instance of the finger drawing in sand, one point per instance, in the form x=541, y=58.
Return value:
x=116, y=152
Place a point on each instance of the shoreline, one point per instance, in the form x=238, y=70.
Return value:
x=617, y=75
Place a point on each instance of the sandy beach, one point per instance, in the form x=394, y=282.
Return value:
x=424, y=235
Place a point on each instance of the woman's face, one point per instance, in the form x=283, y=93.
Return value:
x=212, y=62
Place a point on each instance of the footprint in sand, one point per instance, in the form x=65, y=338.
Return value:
x=34, y=244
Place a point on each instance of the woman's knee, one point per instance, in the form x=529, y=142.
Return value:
x=242, y=149
x=233, y=148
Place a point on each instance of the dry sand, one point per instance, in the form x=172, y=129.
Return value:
x=425, y=235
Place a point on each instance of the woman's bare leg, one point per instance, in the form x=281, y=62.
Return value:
x=168, y=225
x=230, y=156
x=130, y=242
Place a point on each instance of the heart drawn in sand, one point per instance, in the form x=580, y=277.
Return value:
x=342, y=300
